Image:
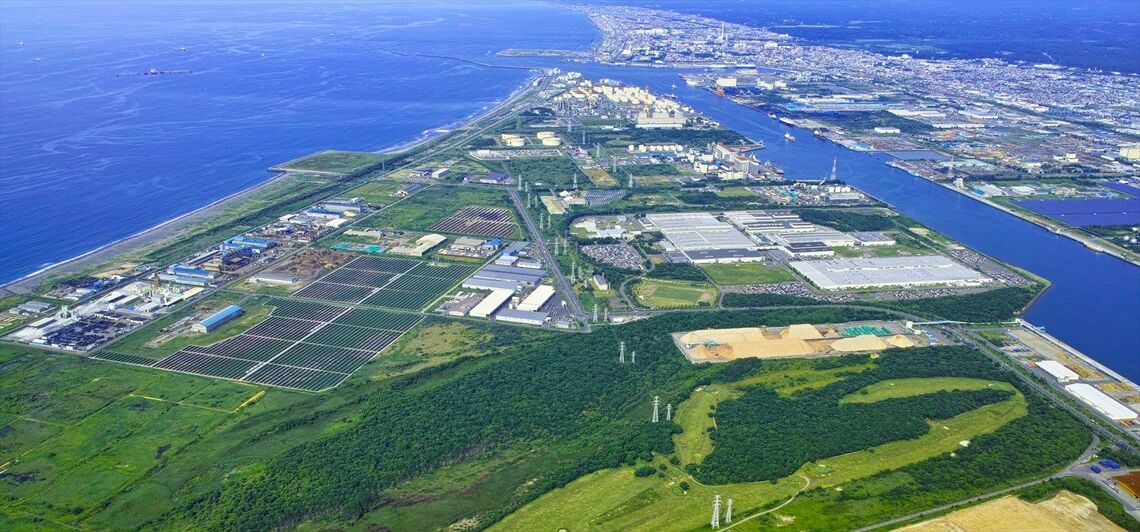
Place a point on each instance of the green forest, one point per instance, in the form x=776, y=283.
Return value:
x=569, y=389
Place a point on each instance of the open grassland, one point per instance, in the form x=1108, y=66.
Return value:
x=659, y=293
x=615, y=499
x=895, y=388
x=76, y=433
x=599, y=176
x=736, y=192
x=556, y=171
x=746, y=273
x=430, y=344
x=337, y=162
x=375, y=192
x=944, y=436
x=429, y=206
x=95, y=445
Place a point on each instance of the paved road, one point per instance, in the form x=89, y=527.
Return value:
x=568, y=294
x=979, y=498
x=973, y=340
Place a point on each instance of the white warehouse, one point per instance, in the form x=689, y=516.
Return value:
x=845, y=274
x=1058, y=371
x=1101, y=402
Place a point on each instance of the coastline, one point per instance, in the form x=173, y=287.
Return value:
x=123, y=245
x=28, y=283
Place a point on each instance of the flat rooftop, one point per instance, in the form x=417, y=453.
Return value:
x=838, y=274
x=694, y=231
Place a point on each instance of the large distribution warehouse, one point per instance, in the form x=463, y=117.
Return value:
x=1101, y=402
x=844, y=274
x=695, y=231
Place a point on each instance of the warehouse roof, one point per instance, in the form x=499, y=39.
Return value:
x=836, y=274
x=1101, y=402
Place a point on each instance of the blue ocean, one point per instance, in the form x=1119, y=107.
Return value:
x=90, y=152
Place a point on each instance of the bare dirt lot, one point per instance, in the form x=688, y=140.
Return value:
x=1064, y=512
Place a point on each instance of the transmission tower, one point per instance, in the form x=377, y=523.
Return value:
x=621, y=353
x=630, y=184
x=656, y=404
x=728, y=512
x=595, y=312
x=669, y=413
x=632, y=356
x=716, y=512
x=520, y=183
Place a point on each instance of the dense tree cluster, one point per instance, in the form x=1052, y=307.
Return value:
x=566, y=388
x=1001, y=304
x=848, y=220
x=763, y=436
x=681, y=272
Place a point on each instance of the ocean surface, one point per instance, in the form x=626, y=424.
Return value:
x=91, y=152
x=88, y=157
x=1096, y=34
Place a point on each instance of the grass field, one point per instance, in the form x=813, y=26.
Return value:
x=427, y=207
x=375, y=192
x=746, y=273
x=73, y=445
x=337, y=162
x=558, y=171
x=614, y=499
x=600, y=177
x=736, y=192
x=660, y=293
x=895, y=388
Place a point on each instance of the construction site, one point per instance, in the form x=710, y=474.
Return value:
x=799, y=340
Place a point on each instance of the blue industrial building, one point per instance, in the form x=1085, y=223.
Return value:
x=218, y=318
x=243, y=242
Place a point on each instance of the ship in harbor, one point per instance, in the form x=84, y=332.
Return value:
x=789, y=137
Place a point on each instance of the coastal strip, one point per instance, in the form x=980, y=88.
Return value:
x=169, y=228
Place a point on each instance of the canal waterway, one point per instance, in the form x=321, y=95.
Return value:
x=1094, y=301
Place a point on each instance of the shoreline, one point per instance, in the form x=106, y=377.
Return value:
x=28, y=283
x=146, y=236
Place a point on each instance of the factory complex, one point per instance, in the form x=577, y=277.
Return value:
x=113, y=314
x=800, y=340
x=509, y=289
x=883, y=272
x=743, y=236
